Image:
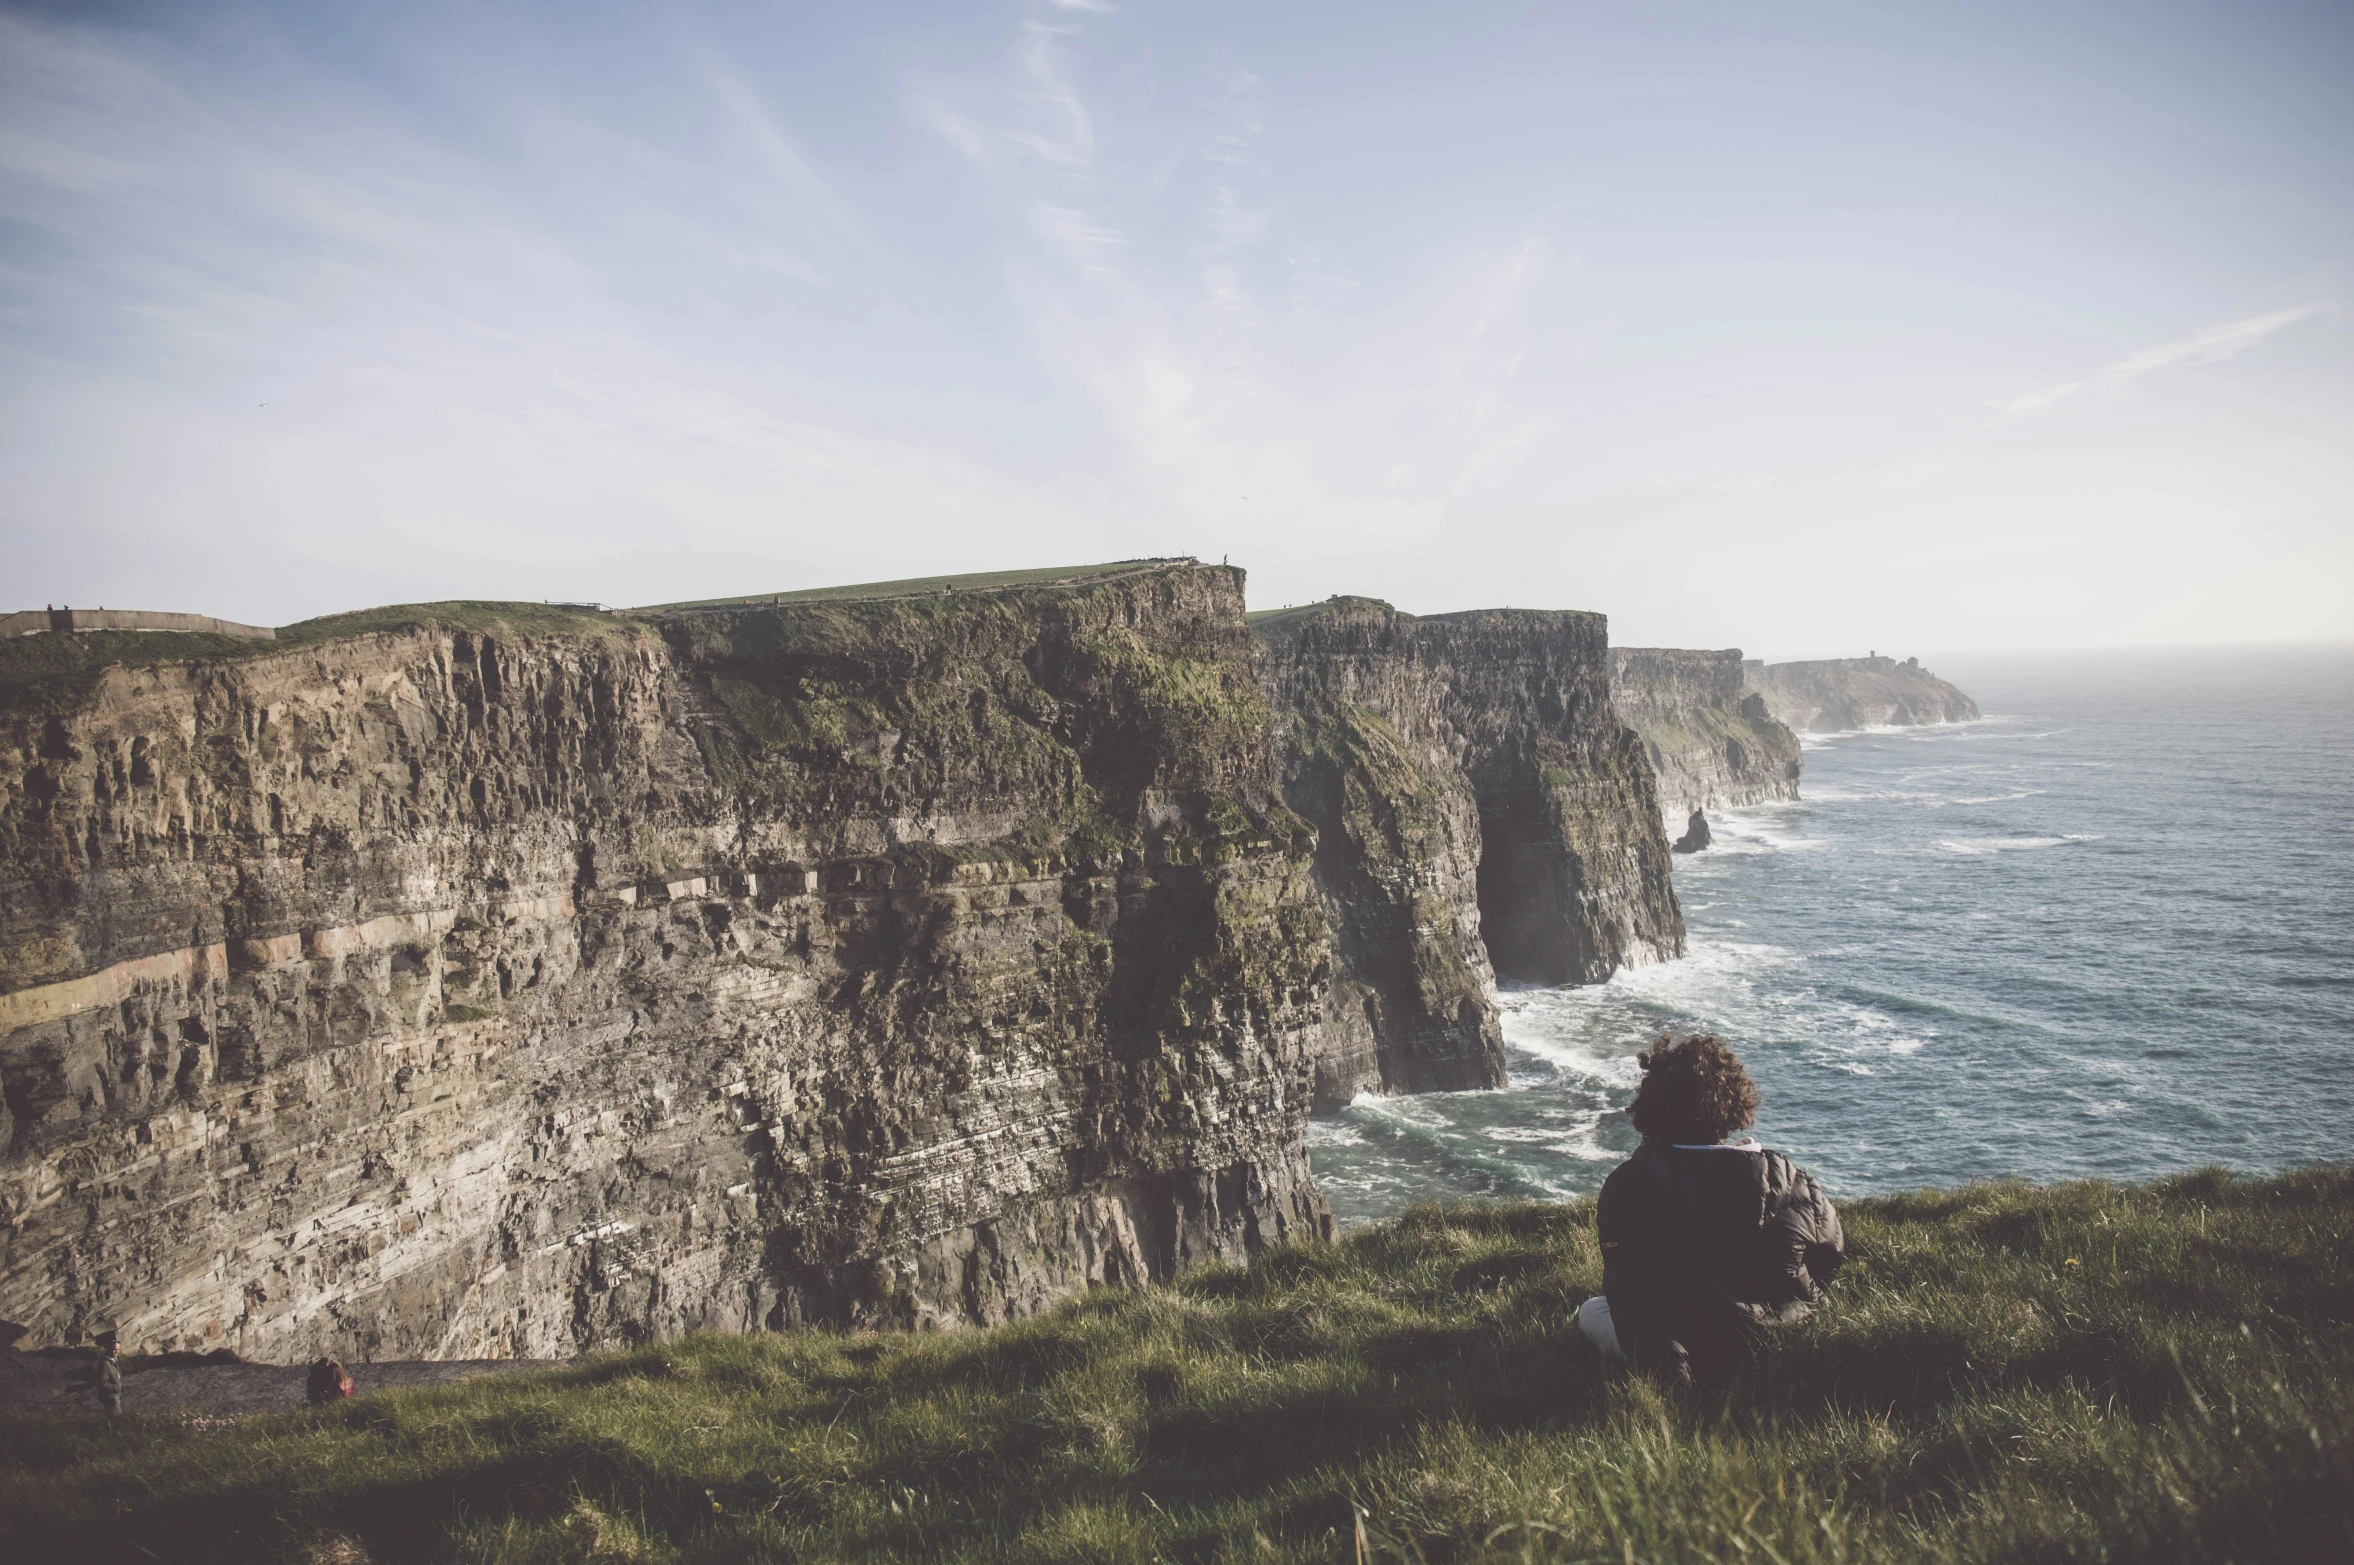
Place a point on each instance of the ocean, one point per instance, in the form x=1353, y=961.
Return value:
x=2108, y=931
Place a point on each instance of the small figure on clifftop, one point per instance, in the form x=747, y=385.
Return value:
x=1706, y=1244
x=106, y=1376
x=329, y=1382
x=1695, y=835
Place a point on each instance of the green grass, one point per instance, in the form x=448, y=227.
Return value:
x=1292, y=617
x=917, y=586
x=2085, y=1372
x=487, y=617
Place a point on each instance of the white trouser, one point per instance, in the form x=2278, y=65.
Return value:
x=1594, y=1321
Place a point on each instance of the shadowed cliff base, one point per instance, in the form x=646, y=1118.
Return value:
x=2085, y=1372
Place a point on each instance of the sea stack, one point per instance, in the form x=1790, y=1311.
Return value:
x=1695, y=835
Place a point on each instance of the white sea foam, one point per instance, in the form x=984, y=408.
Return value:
x=1763, y=829
x=1975, y=846
x=1992, y=798
x=1586, y=1146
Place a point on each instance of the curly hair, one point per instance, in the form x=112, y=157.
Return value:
x=1694, y=1090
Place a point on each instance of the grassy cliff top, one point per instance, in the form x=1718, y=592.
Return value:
x=1273, y=621
x=918, y=586
x=2084, y=1372
x=53, y=671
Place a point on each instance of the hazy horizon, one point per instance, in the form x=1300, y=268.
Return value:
x=2002, y=328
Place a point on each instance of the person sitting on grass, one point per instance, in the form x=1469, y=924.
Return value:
x=1706, y=1244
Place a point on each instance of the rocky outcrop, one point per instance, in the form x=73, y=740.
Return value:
x=1476, y=801
x=1711, y=740
x=1838, y=695
x=1696, y=834
x=479, y=982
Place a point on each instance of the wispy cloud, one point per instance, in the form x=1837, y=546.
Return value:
x=1152, y=255
x=2200, y=347
x=607, y=331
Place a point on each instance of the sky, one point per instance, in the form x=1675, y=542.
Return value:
x=1808, y=328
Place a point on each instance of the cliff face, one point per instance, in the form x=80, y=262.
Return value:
x=1367, y=756
x=524, y=984
x=1477, y=800
x=1711, y=741
x=1836, y=695
x=1573, y=869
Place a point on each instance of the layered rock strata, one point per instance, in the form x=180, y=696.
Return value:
x=479, y=982
x=1839, y=695
x=1476, y=802
x=1711, y=740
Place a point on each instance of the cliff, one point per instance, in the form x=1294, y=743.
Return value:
x=1838, y=695
x=474, y=980
x=1573, y=868
x=1711, y=741
x=1476, y=801
x=1366, y=756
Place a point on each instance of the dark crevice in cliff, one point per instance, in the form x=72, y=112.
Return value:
x=1526, y=896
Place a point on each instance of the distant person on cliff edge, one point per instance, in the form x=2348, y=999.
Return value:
x=1706, y=1244
x=106, y=1377
x=329, y=1382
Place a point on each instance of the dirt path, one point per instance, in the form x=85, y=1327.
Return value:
x=55, y=1385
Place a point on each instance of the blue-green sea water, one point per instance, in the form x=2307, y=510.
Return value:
x=2108, y=931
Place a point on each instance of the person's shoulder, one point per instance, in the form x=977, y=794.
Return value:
x=1787, y=1177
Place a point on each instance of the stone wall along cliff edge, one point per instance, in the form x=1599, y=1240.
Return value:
x=1712, y=743
x=484, y=980
x=1839, y=695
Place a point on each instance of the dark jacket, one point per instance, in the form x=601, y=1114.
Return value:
x=1704, y=1248
x=329, y=1381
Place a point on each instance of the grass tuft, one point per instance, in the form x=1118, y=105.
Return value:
x=2083, y=1372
